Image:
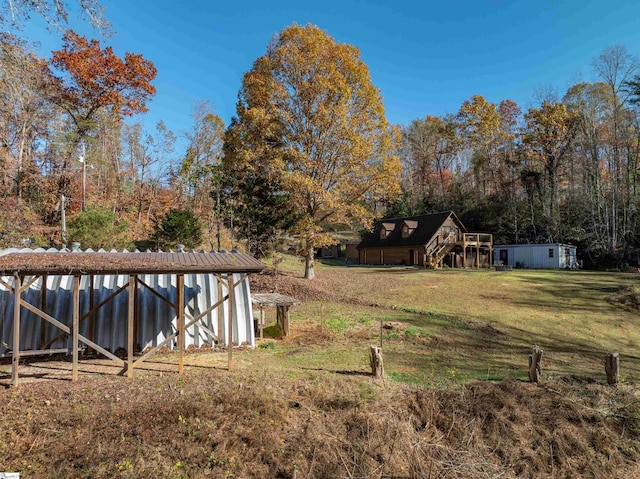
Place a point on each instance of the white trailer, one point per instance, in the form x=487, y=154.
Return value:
x=534, y=256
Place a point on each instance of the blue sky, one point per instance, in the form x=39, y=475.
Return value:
x=426, y=57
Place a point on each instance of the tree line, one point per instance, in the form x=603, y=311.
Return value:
x=309, y=151
x=566, y=170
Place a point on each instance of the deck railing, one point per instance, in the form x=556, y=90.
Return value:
x=478, y=238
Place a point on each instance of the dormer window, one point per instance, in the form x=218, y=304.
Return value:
x=386, y=229
x=408, y=227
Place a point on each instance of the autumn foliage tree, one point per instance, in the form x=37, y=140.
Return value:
x=91, y=79
x=309, y=112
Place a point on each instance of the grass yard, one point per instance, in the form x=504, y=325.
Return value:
x=306, y=405
x=460, y=324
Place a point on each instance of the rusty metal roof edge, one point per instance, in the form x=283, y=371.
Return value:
x=163, y=262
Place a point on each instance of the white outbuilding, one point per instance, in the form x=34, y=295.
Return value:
x=533, y=256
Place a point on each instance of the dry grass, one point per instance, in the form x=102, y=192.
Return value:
x=307, y=402
x=212, y=423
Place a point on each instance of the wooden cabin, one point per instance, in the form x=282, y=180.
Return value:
x=431, y=241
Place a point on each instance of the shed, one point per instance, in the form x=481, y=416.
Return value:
x=537, y=256
x=54, y=300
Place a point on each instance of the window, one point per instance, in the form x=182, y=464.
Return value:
x=408, y=227
x=550, y=252
x=383, y=233
x=447, y=230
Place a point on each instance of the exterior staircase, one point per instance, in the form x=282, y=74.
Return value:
x=444, y=247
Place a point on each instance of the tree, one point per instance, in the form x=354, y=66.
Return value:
x=434, y=145
x=204, y=154
x=55, y=12
x=178, y=227
x=480, y=127
x=24, y=110
x=616, y=67
x=97, y=227
x=310, y=118
x=92, y=79
x=550, y=131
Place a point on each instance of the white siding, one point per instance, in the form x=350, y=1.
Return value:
x=536, y=256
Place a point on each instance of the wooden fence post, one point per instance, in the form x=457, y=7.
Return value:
x=612, y=368
x=534, y=364
x=375, y=359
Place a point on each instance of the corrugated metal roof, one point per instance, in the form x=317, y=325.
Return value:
x=64, y=262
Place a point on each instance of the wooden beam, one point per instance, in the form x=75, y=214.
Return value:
x=43, y=307
x=181, y=338
x=82, y=318
x=51, y=319
x=28, y=284
x=262, y=321
x=101, y=350
x=43, y=352
x=6, y=285
x=220, y=309
x=74, y=329
x=104, y=301
x=130, y=320
x=154, y=350
x=157, y=295
x=15, y=351
x=464, y=252
x=92, y=300
x=230, y=325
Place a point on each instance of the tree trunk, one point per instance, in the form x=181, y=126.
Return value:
x=309, y=272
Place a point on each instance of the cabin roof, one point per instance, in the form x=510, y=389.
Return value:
x=426, y=226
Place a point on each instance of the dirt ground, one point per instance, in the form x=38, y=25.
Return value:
x=249, y=424
x=260, y=422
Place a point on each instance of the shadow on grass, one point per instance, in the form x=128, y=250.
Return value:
x=341, y=372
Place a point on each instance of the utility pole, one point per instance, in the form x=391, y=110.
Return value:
x=64, y=222
x=84, y=175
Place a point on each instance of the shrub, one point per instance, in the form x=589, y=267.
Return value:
x=178, y=227
x=97, y=227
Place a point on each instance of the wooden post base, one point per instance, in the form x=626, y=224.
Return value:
x=534, y=364
x=376, y=361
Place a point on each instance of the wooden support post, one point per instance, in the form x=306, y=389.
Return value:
x=464, y=254
x=15, y=351
x=534, y=364
x=376, y=362
x=230, y=326
x=287, y=318
x=74, y=329
x=220, y=310
x=478, y=253
x=130, y=322
x=92, y=300
x=43, y=307
x=612, y=368
x=136, y=315
x=262, y=321
x=282, y=314
x=181, y=338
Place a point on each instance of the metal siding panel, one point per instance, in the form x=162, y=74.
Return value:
x=157, y=320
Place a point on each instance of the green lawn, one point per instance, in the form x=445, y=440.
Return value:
x=458, y=325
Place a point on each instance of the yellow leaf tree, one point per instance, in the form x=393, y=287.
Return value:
x=309, y=116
